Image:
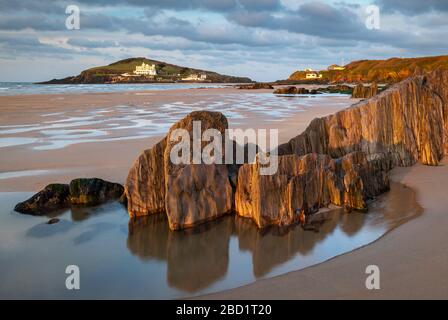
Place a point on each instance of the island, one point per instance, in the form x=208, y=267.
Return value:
x=143, y=70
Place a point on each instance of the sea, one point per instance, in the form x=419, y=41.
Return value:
x=19, y=88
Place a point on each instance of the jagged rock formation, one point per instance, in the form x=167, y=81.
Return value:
x=196, y=193
x=341, y=159
x=92, y=191
x=306, y=184
x=365, y=92
x=407, y=122
x=189, y=193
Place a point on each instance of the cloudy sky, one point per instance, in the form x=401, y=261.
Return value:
x=263, y=39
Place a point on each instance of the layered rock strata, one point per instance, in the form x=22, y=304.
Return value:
x=408, y=122
x=341, y=159
x=304, y=184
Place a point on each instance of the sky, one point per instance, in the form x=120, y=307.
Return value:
x=265, y=40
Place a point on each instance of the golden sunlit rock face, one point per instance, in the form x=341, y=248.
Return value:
x=145, y=184
x=189, y=193
x=304, y=184
x=342, y=159
x=408, y=122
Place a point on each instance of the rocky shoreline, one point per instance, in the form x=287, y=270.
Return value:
x=341, y=159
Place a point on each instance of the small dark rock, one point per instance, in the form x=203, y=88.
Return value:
x=93, y=191
x=53, y=221
x=52, y=197
x=339, y=88
x=295, y=90
x=255, y=86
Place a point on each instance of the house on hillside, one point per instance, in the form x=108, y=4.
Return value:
x=313, y=75
x=145, y=69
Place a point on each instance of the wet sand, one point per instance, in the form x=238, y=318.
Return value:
x=413, y=259
x=53, y=128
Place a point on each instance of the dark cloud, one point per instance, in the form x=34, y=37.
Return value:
x=314, y=18
x=51, y=6
x=225, y=33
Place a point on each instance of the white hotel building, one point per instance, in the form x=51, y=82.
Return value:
x=145, y=70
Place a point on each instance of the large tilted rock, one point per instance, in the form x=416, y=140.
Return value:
x=195, y=193
x=84, y=191
x=364, y=92
x=189, y=193
x=408, y=121
x=145, y=184
x=307, y=183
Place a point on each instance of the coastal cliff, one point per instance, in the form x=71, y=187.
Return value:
x=392, y=70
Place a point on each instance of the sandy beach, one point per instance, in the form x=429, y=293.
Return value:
x=100, y=134
x=413, y=258
x=65, y=136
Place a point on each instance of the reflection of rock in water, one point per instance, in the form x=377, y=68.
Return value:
x=148, y=237
x=273, y=246
x=352, y=223
x=44, y=230
x=196, y=258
